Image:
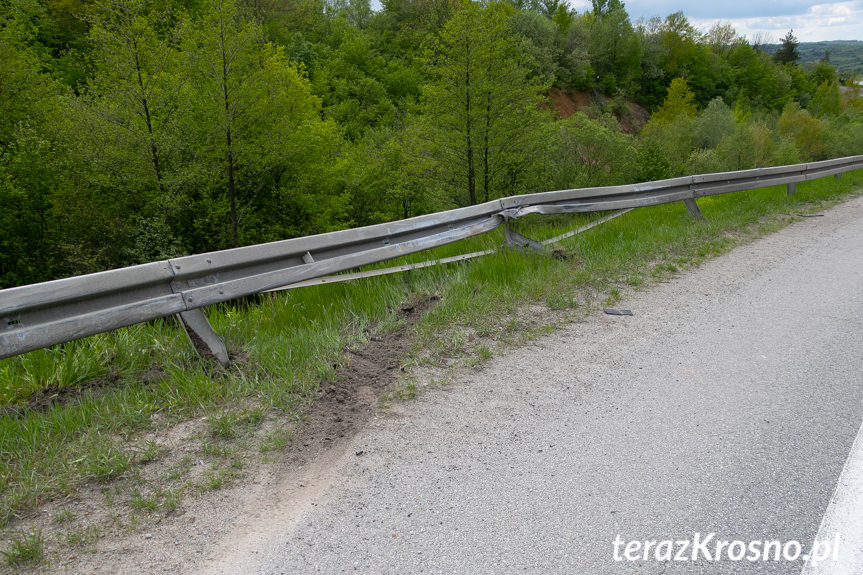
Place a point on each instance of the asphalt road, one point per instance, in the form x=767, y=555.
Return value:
x=727, y=404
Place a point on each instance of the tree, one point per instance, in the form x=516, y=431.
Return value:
x=28, y=181
x=575, y=69
x=713, y=124
x=679, y=100
x=722, y=37
x=131, y=140
x=480, y=108
x=671, y=128
x=827, y=100
x=591, y=153
x=615, y=49
x=351, y=87
x=758, y=79
x=540, y=43
x=256, y=136
x=806, y=131
x=680, y=44
x=787, y=52
x=26, y=93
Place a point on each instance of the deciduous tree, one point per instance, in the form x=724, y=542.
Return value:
x=481, y=108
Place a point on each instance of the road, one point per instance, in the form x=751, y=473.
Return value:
x=727, y=404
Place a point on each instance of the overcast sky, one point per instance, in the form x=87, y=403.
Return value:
x=811, y=22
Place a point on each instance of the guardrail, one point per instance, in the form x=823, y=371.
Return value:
x=40, y=315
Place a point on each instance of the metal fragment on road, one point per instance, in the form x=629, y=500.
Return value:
x=611, y=311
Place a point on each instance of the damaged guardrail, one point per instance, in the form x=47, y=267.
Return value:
x=40, y=315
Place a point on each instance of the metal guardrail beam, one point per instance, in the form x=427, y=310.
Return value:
x=40, y=315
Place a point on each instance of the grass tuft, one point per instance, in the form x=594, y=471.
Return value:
x=25, y=549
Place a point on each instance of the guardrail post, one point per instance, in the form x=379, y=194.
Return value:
x=202, y=335
x=693, y=209
x=791, y=189
x=513, y=238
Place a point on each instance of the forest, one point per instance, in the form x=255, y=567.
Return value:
x=139, y=130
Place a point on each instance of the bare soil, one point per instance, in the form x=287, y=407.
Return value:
x=567, y=103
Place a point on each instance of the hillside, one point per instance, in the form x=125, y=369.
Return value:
x=845, y=55
x=566, y=103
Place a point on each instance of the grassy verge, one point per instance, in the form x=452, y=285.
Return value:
x=91, y=413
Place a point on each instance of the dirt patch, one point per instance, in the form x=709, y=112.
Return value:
x=344, y=404
x=48, y=397
x=342, y=407
x=563, y=104
x=632, y=119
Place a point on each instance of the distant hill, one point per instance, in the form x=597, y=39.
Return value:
x=845, y=55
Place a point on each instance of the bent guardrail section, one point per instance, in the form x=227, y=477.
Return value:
x=49, y=313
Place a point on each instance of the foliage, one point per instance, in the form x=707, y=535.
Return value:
x=680, y=100
x=787, y=52
x=591, y=153
x=480, y=107
x=806, y=131
x=139, y=130
x=615, y=49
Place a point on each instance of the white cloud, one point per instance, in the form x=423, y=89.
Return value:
x=725, y=10
x=774, y=18
x=835, y=21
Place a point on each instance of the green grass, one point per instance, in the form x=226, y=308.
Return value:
x=285, y=343
x=25, y=549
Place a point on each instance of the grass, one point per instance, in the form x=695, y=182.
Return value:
x=25, y=549
x=139, y=381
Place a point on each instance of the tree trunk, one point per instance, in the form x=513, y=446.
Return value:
x=471, y=171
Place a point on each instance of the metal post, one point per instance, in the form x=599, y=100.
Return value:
x=693, y=209
x=516, y=239
x=791, y=189
x=202, y=336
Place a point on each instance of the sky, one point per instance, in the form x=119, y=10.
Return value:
x=765, y=19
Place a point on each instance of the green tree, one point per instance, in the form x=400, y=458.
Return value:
x=591, y=152
x=804, y=130
x=713, y=124
x=680, y=41
x=679, y=100
x=615, y=48
x=757, y=79
x=351, y=83
x=575, y=68
x=481, y=108
x=256, y=136
x=787, y=52
x=131, y=142
x=541, y=41
x=28, y=182
x=722, y=37
x=827, y=100
x=738, y=149
x=27, y=94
